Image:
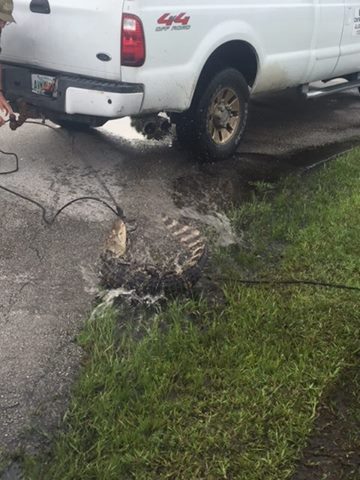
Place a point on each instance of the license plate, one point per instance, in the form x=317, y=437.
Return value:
x=43, y=84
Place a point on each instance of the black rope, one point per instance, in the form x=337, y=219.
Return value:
x=43, y=124
x=116, y=209
x=312, y=283
x=16, y=168
x=325, y=160
x=34, y=122
x=119, y=213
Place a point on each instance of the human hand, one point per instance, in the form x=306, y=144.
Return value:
x=5, y=106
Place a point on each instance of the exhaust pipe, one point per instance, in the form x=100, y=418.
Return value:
x=153, y=127
x=165, y=125
x=149, y=129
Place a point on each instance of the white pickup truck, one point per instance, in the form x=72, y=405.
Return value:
x=88, y=61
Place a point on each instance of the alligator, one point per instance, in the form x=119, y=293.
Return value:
x=124, y=267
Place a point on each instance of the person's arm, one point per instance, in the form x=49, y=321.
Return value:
x=4, y=105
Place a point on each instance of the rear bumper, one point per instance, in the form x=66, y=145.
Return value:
x=75, y=95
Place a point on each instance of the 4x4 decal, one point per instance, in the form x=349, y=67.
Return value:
x=173, y=22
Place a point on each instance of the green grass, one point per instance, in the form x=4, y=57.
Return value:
x=231, y=391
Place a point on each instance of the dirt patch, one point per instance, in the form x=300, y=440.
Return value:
x=333, y=451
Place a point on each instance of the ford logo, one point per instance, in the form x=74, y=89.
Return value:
x=104, y=57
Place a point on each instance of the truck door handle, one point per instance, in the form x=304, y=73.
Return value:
x=40, y=6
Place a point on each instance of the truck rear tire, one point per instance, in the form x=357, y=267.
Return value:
x=216, y=121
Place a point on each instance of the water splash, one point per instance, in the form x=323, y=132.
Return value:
x=219, y=222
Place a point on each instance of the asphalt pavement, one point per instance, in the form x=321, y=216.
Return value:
x=49, y=274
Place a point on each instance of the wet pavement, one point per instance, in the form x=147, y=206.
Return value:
x=48, y=275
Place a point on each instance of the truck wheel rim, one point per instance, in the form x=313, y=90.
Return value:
x=224, y=116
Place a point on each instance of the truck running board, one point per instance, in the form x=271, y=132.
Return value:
x=314, y=92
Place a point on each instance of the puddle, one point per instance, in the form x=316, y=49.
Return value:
x=220, y=186
x=216, y=188
x=318, y=155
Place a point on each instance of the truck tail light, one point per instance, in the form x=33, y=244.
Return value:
x=132, y=41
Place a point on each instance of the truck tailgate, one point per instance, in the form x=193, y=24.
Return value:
x=81, y=37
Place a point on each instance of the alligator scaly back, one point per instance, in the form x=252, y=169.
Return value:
x=168, y=271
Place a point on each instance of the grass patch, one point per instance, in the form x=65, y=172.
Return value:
x=228, y=392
